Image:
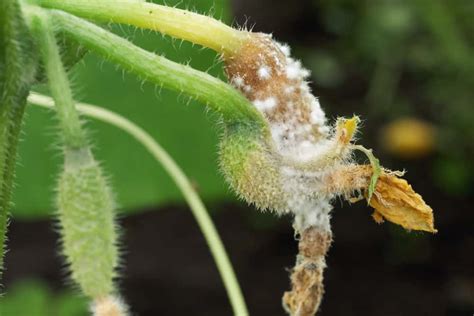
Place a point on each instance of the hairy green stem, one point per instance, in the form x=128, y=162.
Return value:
x=219, y=96
x=85, y=203
x=17, y=71
x=72, y=132
x=197, y=207
x=197, y=28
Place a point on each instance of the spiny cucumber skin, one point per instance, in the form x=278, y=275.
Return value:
x=249, y=168
x=89, y=237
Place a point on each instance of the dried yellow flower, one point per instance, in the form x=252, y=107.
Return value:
x=392, y=198
x=395, y=201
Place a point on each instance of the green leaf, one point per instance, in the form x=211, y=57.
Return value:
x=35, y=298
x=376, y=170
x=26, y=298
x=375, y=175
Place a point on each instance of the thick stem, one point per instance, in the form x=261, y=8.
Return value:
x=307, y=275
x=17, y=70
x=9, y=164
x=219, y=96
x=199, y=29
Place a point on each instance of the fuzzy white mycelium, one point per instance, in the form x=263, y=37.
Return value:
x=303, y=148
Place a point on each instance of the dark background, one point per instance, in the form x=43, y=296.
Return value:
x=383, y=60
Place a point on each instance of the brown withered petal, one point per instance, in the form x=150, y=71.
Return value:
x=395, y=201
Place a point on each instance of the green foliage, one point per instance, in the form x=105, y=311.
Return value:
x=452, y=173
x=417, y=58
x=180, y=129
x=34, y=298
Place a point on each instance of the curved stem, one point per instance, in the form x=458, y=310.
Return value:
x=197, y=207
x=376, y=170
x=218, y=95
x=197, y=28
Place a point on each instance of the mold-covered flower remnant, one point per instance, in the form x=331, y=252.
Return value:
x=304, y=164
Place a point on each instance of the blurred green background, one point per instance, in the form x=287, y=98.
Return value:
x=406, y=67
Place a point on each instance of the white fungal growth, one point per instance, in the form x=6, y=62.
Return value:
x=285, y=49
x=289, y=89
x=305, y=73
x=317, y=116
x=265, y=105
x=300, y=141
x=238, y=82
x=293, y=71
x=247, y=88
x=315, y=213
x=323, y=129
x=310, y=209
x=304, y=87
x=264, y=72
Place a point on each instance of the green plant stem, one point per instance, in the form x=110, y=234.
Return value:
x=376, y=169
x=197, y=207
x=197, y=28
x=17, y=70
x=72, y=132
x=219, y=96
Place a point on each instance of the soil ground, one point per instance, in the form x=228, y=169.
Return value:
x=372, y=269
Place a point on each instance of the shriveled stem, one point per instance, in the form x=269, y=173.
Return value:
x=307, y=275
x=192, y=198
x=183, y=24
